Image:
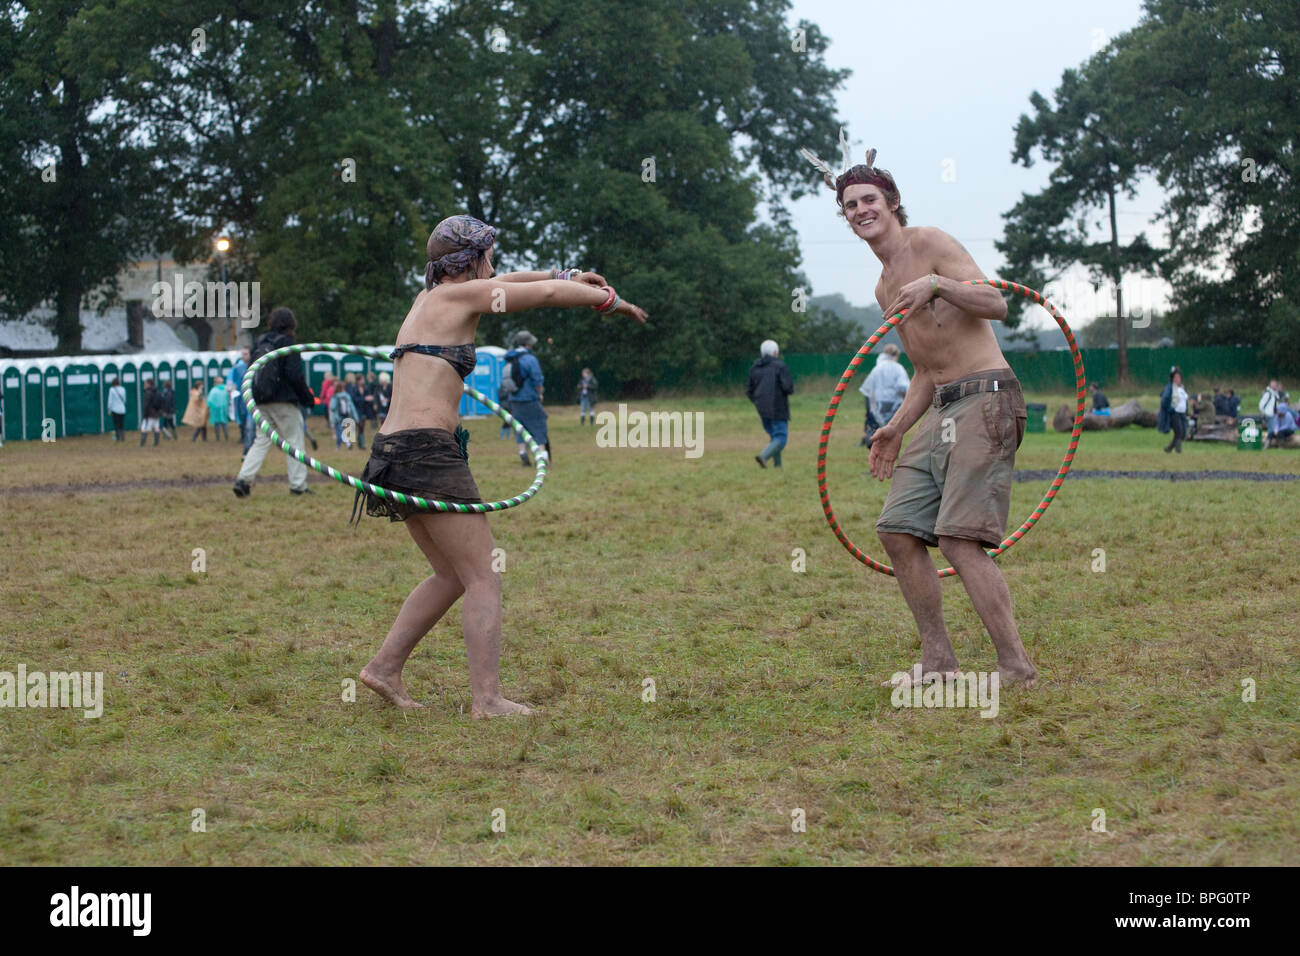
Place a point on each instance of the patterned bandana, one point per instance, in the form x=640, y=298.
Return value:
x=471, y=235
x=864, y=176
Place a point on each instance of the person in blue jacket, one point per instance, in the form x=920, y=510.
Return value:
x=526, y=402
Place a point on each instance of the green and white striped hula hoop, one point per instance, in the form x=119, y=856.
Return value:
x=1080, y=396
x=539, y=453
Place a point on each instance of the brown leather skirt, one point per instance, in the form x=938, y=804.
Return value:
x=429, y=462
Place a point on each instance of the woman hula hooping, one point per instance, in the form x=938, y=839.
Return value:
x=422, y=449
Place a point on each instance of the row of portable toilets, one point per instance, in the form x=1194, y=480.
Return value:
x=68, y=395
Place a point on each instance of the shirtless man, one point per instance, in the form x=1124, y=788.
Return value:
x=952, y=488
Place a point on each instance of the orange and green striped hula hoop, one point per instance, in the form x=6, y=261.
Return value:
x=1081, y=390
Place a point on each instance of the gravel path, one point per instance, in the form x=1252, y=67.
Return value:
x=1045, y=475
x=185, y=481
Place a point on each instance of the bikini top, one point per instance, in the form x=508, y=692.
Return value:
x=461, y=357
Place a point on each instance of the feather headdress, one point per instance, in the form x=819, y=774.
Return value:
x=846, y=159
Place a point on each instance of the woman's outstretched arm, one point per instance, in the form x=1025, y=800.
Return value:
x=494, y=295
x=591, y=278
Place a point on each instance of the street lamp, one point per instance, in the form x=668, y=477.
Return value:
x=223, y=246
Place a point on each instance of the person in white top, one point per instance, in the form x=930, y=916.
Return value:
x=1176, y=397
x=885, y=388
x=1268, y=403
x=117, y=408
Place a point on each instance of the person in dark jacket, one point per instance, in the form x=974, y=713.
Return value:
x=283, y=411
x=354, y=384
x=1173, y=411
x=167, y=421
x=770, y=386
x=1100, y=403
x=151, y=410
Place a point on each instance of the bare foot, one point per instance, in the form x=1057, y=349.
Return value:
x=499, y=708
x=914, y=677
x=390, y=688
x=1010, y=677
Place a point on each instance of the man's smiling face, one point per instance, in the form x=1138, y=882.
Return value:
x=866, y=211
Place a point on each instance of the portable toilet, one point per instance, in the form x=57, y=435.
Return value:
x=486, y=377
x=11, y=387
x=33, y=402
x=83, y=412
x=130, y=376
x=108, y=371
x=316, y=365
x=148, y=370
x=357, y=364
x=53, y=385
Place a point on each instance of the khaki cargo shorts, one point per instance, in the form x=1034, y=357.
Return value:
x=954, y=478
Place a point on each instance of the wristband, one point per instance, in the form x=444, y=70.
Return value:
x=610, y=302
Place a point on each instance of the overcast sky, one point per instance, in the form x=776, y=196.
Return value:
x=937, y=87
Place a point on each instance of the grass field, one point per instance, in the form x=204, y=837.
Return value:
x=224, y=688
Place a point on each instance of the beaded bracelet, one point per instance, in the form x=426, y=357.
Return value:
x=609, y=304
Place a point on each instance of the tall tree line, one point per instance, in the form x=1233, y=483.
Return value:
x=1205, y=97
x=654, y=142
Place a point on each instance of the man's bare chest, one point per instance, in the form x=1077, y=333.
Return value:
x=900, y=274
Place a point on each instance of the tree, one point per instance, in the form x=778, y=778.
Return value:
x=1089, y=138
x=1099, y=332
x=642, y=151
x=327, y=139
x=293, y=135
x=1214, y=90
x=77, y=176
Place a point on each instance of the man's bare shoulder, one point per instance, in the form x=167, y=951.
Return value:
x=929, y=239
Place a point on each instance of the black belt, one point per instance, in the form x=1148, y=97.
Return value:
x=947, y=394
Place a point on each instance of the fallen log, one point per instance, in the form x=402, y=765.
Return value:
x=1130, y=413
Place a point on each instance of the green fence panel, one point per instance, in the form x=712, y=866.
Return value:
x=1203, y=367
